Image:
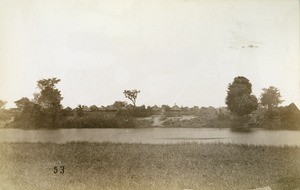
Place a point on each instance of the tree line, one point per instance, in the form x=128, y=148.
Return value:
x=46, y=111
x=241, y=101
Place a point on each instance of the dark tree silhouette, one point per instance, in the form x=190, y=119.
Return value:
x=131, y=95
x=239, y=98
x=49, y=99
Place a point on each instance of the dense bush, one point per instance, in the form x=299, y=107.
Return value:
x=99, y=122
x=67, y=112
x=5, y=115
x=89, y=120
x=279, y=118
x=44, y=110
x=136, y=112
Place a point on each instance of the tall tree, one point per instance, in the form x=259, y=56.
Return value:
x=22, y=104
x=131, y=95
x=49, y=99
x=45, y=110
x=270, y=97
x=28, y=111
x=49, y=96
x=239, y=98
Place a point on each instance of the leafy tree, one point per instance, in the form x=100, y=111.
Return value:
x=28, y=111
x=270, y=97
x=49, y=96
x=22, y=104
x=45, y=110
x=239, y=98
x=23, y=107
x=131, y=95
x=2, y=104
x=119, y=104
x=49, y=99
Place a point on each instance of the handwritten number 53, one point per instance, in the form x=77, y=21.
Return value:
x=61, y=169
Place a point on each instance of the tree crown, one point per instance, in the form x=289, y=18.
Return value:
x=270, y=97
x=239, y=98
x=131, y=95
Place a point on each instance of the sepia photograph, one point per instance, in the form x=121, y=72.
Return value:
x=150, y=94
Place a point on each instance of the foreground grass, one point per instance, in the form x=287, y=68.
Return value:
x=142, y=166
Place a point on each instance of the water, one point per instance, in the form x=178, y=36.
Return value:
x=154, y=136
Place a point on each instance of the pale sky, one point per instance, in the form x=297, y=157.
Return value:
x=174, y=51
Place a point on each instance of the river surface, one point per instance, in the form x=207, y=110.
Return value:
x=154, y=136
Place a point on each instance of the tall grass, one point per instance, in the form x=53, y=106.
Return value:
x=145, y=166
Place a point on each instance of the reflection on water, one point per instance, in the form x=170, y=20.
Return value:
x=155, y=136
x=186, y=138
x=241, y=130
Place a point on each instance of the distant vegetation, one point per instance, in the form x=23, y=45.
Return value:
x=44, y=110
x=243, y=111
x=242, y=104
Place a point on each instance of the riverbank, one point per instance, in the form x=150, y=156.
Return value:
x=204, y=119
x=145, y=166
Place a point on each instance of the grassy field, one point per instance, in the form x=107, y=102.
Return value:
x=145, y=166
